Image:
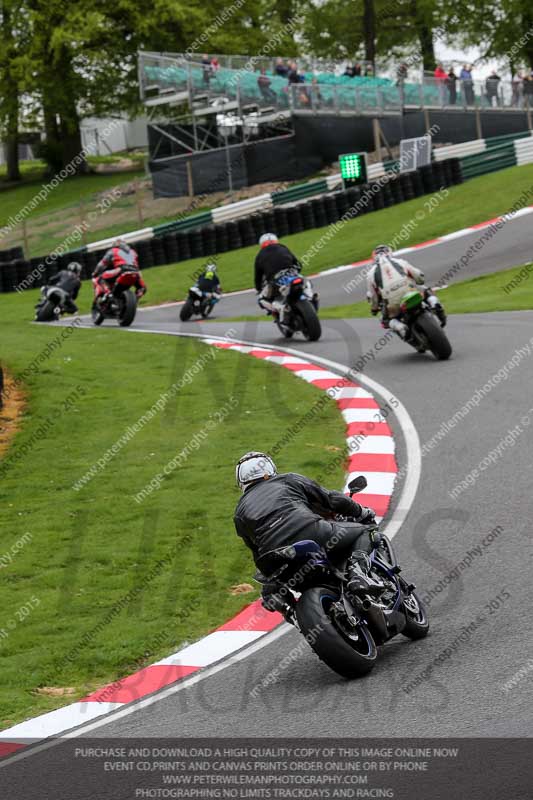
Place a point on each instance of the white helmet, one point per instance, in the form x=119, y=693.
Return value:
x=254, y=467
x=268, y=238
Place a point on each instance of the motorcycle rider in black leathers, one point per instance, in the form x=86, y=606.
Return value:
x=70, y=281
x=277, y=510
x=271, y=259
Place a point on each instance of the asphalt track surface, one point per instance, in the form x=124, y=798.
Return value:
x=508, y=247
x=464, y=695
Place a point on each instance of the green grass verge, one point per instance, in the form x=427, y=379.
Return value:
x=88, y=549
x=65, y=196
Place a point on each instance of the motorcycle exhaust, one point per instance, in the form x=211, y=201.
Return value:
x=376, y=619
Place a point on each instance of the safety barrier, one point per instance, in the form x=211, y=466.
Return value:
x=213, y=233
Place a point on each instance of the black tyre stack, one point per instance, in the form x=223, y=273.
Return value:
x=144, y=252
x=184, y=245
x=330, y=207
x=170, y=246
x=308, y=216
x=210, y=241
x=294, y=218
x=406, y=183
x=377, y=190
x=246, y=231
x=281, y=220
x=221, y=238
x=234, y=236
x=158, y=251
x=319, y=211
x=197, y=243
x=456, y=170
x=428, y=178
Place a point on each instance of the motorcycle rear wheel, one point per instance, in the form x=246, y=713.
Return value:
x=311, y=327
x=349, y=656
x=437, y=340
x=128, y=308
x=186, y=311
x=46, y=312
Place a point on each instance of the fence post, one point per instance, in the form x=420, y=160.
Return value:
x=479, y=130
x=25, y=239
x=377, y=139
x=82, y=223
x=138, y=201
x=190, y=183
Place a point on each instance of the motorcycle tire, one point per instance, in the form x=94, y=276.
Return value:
x=346, y=655
x=96, y=314
x=186, y=311
x=311, y=327
x=417, y=626
x=128, y=309
x=437, y=340
x=46, y=312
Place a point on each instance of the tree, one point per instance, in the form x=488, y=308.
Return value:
x=9, y=83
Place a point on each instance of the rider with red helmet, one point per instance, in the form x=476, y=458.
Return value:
x=119, y=258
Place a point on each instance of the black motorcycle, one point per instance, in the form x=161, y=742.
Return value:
x=296, y=306
x=198, y=302
x=344, y=629
x=425, y=328
x=51, y=304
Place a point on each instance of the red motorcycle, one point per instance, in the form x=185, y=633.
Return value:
x=118, y=303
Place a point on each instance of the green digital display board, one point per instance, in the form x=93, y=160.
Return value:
x=353, y=168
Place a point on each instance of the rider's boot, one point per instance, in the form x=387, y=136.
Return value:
x=359, y=580
x=399, y=327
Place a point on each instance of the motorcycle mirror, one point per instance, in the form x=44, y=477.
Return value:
x=357, y=484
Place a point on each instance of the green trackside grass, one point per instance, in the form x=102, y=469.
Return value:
x=83, y=551
x=474, y=201
x=65, y=196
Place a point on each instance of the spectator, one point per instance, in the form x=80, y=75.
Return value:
x=357, y=70
x=451, y=82
x=517, y=88
x=317, y=99
x=292, y=75
x=281, y=69
x=401, y=75
x=349, y=72
x=214, y=64
x=528, y=90
x=465, y=76
x=441, y=77
x=263, y=81
x=207, y=69
x=491, y=88
x=369, y=71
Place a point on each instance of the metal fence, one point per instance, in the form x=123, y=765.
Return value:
x=242, y=89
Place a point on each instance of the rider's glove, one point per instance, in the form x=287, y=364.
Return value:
x=374, y=311
x=367, y=516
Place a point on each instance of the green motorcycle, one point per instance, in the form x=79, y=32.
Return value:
x=425, y=331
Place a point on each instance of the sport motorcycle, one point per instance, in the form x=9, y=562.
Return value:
x=344, y=628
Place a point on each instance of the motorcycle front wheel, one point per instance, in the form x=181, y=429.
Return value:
x=348, y=652
x=96, y=314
